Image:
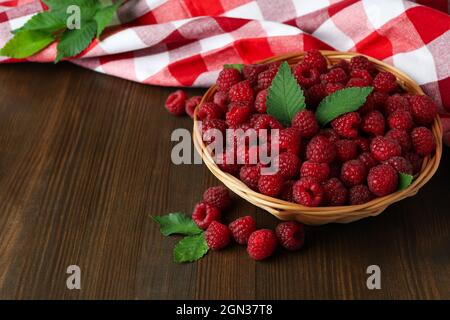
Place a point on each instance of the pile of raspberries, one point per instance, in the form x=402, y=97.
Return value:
x=261, y=243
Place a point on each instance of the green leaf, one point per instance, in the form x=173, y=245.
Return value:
x=177, y=223
x=26, y=43
x=75, y=41
x=285, y=97
x=44, y=21
x=404, y=181
x=238, y=66
x=59, y=8
x=341, y=102
x=104, y=16
x=190, y=248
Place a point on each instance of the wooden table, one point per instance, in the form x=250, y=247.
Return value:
x=84, y=163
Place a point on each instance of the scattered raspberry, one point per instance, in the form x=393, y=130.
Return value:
x=401, y=120
x=230, y=167
x=353, y=172
x=315, y=94
x=242, y=228
x=176, y=103
x=396, y=102
x=290, y=140
x=385, y=82
x=357, y=82
x=347, y=125
x=260, y=101
x=265, y=79
x=306, y=123
x=308, y=192
x=261, y=244
x=286, y=191
x=400, y=164
x=401, y=137
x=250, y=175
x=291, y=235
x=237, y=115
x=362, y=74
x=270, y=185
x=360, y=194
x=315, y=59
x=361, y=63
x=208, y=132
x=330, y=134
x=320, y=149
x=368, y=160
x=382, y=180
x=423, y=109
x=218, y=196
x=221, y=99
x=251, y=71
x=415, y=160
x=228, y=78
x=336, y=75
x=209, y=110
x=305, y=75
x=363, y=144
x=384, y=148
x=204, y=214
x=335, y=193
x=241, y=92
x=333, y=87
x=346, y=150
x=423, y=141
x=373, y=123
x=217, y=236
x=318, y=171
x=191, y=104
x=288, y=165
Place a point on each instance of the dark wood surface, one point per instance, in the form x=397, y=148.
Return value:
x=84, y=163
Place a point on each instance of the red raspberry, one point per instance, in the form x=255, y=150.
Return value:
x=361, y=63
x=290, y=140
x=382, y=180
x=353, y=172
x=333, y=87
x=251, y=71
x=368, y=160
x=305, y=75
x=385, y=82
x=265, y=79
x=270, y=185
x=315, y=94
x=176, y=103
x=363, y=144
x=423, y=141
x=217, y=236
x=400, y=164
x=306, y=123
x=347, y=125
x=291, y=235
x=308, y=192
x=242, y=228
x=221, y=99
x=401, y=120
x=191, y=104
x=264, y=121
x=320, y=149
x=335, y=193
x=261, y=244
x=330, y=134
x=396, y=102
x=423, y=109
x=286, y=191
x=209, y=110
x=402, y=138
x=228, y=78
x=415, y=160
x=360, y=194
x=288, y=165
x=362, y=74
x=384, y=148
x=227, y=166
x=241, y=92
x=357, y=82
x=318, y=171
x=315, y=59
x=208, y=132
x=237, y=115
x=218, y=196
x=204, y=214
x=343, y=64
x=346, y=150
x=260, y=101
x=250, y=175
x=373, y=123
x=336, y=75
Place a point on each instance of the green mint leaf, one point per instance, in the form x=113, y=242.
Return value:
x=285, y=97
x=190, y=248
x=177, y=223
x=59, y=8
x=44, y=21
x=75, y=41
x=104, y=16
x=26, y=43
x=341, y=102
x=404, y=181
x=238, y=66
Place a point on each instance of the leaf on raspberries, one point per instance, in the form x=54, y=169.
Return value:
x=26, y=43
x=177, y=223
x=190, y=248
x=238, y=66
x=75, y=41
x=341, y=102
x=404, y=181
x=285, y=97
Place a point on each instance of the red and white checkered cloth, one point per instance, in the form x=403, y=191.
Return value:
x=186, y=42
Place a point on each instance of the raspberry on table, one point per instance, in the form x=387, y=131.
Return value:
x=373, y=123
x=320, y=149
x=401, y=164
x=368, y=160
x=218, y=196
x=242, y=228
x=336, y=75
x=335, y=193
x=401, y=137
x=288, y=165
x=346, y=150
x=315, y=59
x=401, y=120
x=261, y=244
x=305, y=75
x=221, y=99
x=209, y=110
x=353, y=172
x=360, y=194
x=291, y=235
x=308, y=192
x=270, y=185
x=228, y=78
x=260, y=101
x=347, y=125
x=241, y=92
x=382, y=180
x=217, y=236
x=237, y=115
x=384, y=148
x=191, y=104
x=176, y=103
x=204, y=214
x=415, y=160
x=209, y=127
x=423, y=141
x=385, y=82
x=286, y=191
x=250, y=175
x=290, y=140
x=306, y=123
x=423, y=109
x=318, y=171
x=265, y=79
x=396, y=102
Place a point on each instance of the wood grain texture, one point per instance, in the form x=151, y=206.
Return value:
x=85, y=161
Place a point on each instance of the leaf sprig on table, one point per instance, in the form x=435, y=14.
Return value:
x=46, y=27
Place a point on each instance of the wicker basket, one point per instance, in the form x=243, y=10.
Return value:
x=321, y=215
